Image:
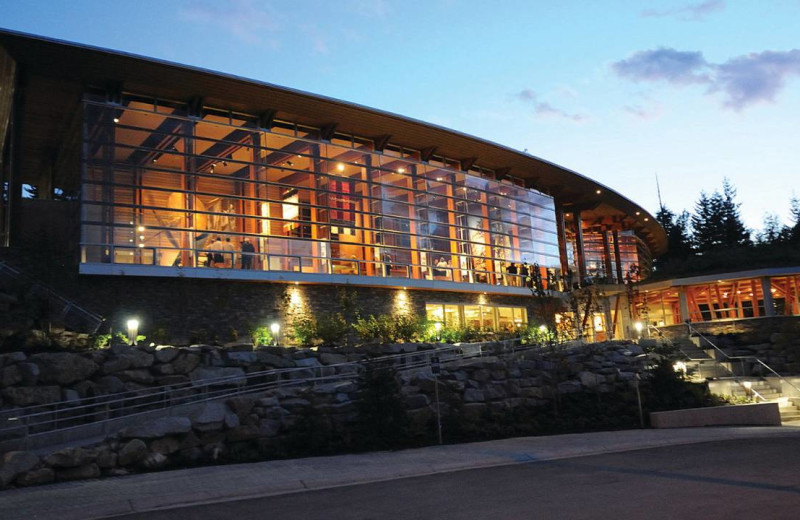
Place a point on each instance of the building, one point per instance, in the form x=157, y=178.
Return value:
x=195, y=197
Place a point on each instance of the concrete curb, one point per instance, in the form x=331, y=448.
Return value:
x=112, y=497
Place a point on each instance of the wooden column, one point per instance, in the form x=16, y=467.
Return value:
x=618, y=257
x=580, y=257
x=607, y=256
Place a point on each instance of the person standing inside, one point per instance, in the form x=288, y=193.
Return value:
x=247, y=253
x=229, y=248
x=217, y=260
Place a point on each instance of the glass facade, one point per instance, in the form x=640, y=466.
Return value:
x=163, y=187
x=482, y=317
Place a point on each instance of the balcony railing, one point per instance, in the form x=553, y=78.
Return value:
x=297, y=263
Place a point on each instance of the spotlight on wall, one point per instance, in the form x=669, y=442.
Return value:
x=133, y=330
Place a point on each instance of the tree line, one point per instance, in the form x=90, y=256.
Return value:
x=714, y=238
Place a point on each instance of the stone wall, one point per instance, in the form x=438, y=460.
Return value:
x=755, y=326
x=255, y=426
x=186, y=305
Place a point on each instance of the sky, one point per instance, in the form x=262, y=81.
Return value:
x=624, y=92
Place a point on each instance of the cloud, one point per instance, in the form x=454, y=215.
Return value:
x=756, y=77
x=690, y=12
x=645, y=113
x=544, y=109
x=243, y=18
x=664, y=64
x=743, y=81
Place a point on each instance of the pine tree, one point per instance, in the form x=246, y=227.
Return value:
x=773, y=233
x=734, y=232
x=677, y=229
x=794, y=211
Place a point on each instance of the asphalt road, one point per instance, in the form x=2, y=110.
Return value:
x=751, y=478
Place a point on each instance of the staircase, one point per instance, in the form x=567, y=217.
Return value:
x=60, y=310
x=705, y=361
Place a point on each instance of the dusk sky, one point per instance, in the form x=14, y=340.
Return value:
x=620, y=91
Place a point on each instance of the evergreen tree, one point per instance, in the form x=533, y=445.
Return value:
x=735, y=234
x=794, y=211
x=773, y=233
x=677, y=229
x=717, y=223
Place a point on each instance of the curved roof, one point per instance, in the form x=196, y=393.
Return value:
x=54, y=74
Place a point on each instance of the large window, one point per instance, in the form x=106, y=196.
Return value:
x=165, y=187
x=483, y=317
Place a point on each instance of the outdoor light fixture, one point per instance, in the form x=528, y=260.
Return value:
x=679, y=366
x=599, y=192
x=638, y=326
x=275, y=329
x=116, y=120
x=542, y=328
x=133, y=330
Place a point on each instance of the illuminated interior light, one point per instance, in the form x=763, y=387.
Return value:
x=141, y=245
x=599, y=192
x=340, y=167
x=638, y=213
x=401, y=170
x=140, y=228
x=646, y=219
x=141, y=237
x=116, y=120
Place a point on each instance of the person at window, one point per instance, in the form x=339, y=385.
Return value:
x=441, y=267
x=524, y=274
x=216, y=248
x=229, y=248
x=512, y=274
x=247, y=253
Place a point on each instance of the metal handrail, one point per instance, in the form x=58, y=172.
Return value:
x=383, y=269
x=734, y=358
x=56, y=417
x=92, y=319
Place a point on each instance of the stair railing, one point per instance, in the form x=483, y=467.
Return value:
x=782, y=379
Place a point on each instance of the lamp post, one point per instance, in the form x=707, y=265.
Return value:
x=275, y=329
x=438, y=327
x=133, y=330
x=638, y=326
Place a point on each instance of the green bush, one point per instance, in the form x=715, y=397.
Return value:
x=261, y=336
x=408, y=328
x=304, y=330
x=331, y=329
x=375, y=330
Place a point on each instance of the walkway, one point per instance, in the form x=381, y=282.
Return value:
x=137, y=493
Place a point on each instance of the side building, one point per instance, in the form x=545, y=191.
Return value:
x=197, y=198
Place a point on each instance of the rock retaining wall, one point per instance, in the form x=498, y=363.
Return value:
x=256, y=426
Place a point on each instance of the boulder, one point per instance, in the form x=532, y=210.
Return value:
x=30, y=373
x=132, y=452
x=106, y=459
x=12, y=357
x=140, y=376
x=244, y=433
x=166, y=353
x=71, y=458
x=165, y=445
x=590, y=379
x=15, y=463
x=111, y=384
x=186, y=362
x=416, y=401
x=160, y=427
x=80, y=473
x=241, y=406
x=330, y=358
x=10, y=375
x=32, y=395
x=36, y=477
x=218, y=376
x=273, y=360
x=63, y=368
x=153, y=461
x=472, y=395
x=137, y=357
x=209, y=417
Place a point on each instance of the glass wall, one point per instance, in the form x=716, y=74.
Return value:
x=217, y=191
x=482, y=317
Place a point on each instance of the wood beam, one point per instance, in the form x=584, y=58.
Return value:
x=326, y=131
x=468, y=162
x=266, y=119
x=426, y=153
x=381, y=141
